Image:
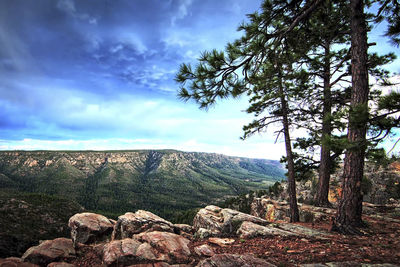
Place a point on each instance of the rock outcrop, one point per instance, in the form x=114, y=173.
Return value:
x=279, y=211
x=141, y=221
x=273, y=210
x=145, y=247
x=50, y=251
x=215, y=221
x=88, y=228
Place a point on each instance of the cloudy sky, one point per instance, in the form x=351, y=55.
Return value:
x=99, y=74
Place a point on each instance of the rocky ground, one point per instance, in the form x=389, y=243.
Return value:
x=218, y=237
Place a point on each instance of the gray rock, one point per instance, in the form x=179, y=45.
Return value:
x=304, y=231
x=141, y=221
x=89, y=227
x=222, y=221
x=250, y=230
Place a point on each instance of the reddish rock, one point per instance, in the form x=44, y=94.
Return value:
x=138, y=222
x=50, y=251
x=124, y=251
x=184, y=228
x=167, y=247
x=204, y=250
x=89, y=227
x=222, y=242
x=15, y=262
x=148, y=247
x=233, y=260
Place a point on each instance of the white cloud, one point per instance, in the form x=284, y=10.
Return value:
x=68, y=6
x=182, y=11
x=133, y=40
x=240, y=148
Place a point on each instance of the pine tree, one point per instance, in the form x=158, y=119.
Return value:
x=265, y=64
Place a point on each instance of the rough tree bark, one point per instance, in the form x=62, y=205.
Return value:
x=294, y=210
x=350, y=206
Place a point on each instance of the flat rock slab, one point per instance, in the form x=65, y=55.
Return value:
x=222, y=242
x=304, y=231
x=89, y=227
x=50, y=251
x=233, y=260
x=249, y=230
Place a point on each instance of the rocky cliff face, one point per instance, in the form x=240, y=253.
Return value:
x=118, y=181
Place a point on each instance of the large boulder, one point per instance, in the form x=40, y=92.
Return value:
x=141, y=221
x=233, y=260
x=126, y=251
x=167, y=247
x=147, y=247
x=50, y=251
x=218, y=221
x=89, y=227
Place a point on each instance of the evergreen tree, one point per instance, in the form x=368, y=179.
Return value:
x=350, y=206
x=268, y=63
x=265, y=64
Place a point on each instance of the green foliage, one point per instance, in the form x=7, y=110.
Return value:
x=185, y=217
x=366, y=185
x=183, y=182
x=378, y=156
x=275, y=190
x=26, y=218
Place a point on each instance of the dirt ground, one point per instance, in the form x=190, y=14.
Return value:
x=379, y=244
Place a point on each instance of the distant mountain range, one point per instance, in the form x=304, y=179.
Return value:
x=161, y=181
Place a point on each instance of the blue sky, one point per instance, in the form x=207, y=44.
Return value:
x=99, y=74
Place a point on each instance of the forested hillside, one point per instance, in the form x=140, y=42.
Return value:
x=115, y=182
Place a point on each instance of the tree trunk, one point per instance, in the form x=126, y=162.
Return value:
x=350, y=206
x=321, y=198
x=294, y=210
